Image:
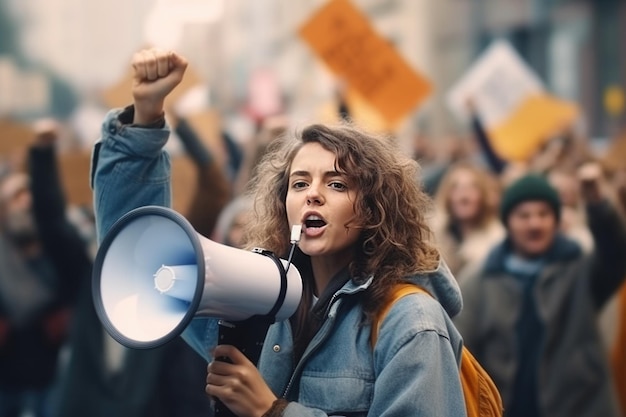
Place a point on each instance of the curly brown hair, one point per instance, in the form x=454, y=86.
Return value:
x=395, y=239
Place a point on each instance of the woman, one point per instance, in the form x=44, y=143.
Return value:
x=466, y=225
x=362, y=216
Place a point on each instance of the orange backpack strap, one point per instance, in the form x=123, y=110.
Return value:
x=482, y=397
x=399, y=291
x=481, y=394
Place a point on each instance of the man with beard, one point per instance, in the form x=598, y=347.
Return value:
x=42, y=261
x=530, y=310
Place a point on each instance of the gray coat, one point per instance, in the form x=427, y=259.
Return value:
x=574, y=376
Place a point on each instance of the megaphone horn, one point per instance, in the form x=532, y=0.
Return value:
x=154, y=273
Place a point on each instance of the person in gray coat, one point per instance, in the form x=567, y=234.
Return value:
x=530, y=309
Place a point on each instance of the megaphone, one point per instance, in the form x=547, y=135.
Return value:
x=153, y=273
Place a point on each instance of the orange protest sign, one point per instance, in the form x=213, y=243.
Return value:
x=346, y=41
x=537, y=118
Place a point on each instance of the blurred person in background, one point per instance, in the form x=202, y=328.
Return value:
x=530, y=311
x=43, y=259
x=573, y=222
x=613, y=319
x=270, y=129
x=465, y=223
x=231, y=223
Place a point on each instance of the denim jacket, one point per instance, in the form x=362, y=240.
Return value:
x=413, y=370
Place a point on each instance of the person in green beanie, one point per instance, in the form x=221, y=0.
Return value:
x=530, y=309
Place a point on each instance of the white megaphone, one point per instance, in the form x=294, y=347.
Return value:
x=154, y=273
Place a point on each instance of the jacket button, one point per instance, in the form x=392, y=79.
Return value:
x=276, y=348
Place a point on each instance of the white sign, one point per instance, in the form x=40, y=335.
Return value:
x=496, y=84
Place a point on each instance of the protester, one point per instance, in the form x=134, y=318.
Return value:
x=231, y=222
x=363, y=231
x=573, y=223
x=42, y=261
x=530, y=311
x=614, y=315
x=465, y=221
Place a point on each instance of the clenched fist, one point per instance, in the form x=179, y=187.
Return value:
x=155, y=74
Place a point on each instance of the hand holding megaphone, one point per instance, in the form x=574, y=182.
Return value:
x=237, y=383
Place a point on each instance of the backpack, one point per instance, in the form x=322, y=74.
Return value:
x=481, y=395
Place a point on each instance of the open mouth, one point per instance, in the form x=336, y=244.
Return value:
x=314, y=222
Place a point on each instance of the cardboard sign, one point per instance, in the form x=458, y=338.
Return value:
x=614, y=157
x=14, y=136
x=517, y=112
x=346, y=41
x=74, y=170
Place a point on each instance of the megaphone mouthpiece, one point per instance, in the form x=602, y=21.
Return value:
x=296, y=232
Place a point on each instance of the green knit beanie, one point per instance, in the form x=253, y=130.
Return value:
x=531, y=187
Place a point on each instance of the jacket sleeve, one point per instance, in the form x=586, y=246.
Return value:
x=62, y=242
x=129, y=169
x=609, y=257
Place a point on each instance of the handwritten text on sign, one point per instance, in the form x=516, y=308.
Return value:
x=345, y=40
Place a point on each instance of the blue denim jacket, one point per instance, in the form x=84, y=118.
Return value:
x=412, y=371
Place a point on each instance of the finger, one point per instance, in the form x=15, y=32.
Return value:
x=150, y=61
x=221, y=386
x=232, y=353
x=163, y=64
x=220, y=367
x=139, y=66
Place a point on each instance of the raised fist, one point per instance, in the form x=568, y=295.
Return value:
x=155, y=74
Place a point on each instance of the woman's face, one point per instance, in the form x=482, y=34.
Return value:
x=465, y=196
x=322, y=201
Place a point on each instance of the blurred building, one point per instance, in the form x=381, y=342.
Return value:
x=576, y=46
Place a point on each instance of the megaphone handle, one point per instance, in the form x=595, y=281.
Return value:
x=247, y=336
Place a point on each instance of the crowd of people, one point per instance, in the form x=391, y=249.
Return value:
x=524, y=263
